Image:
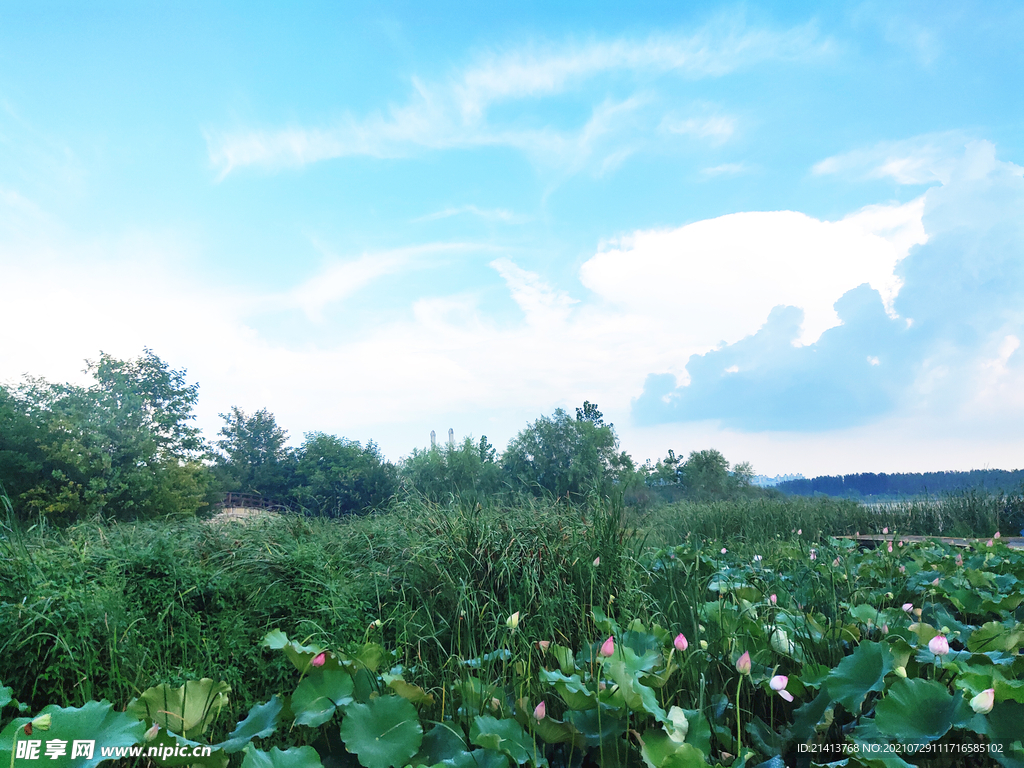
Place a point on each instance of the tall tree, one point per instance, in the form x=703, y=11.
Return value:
x=335, y=476
x=253, y=457
x=124, y=446
x=567, y=457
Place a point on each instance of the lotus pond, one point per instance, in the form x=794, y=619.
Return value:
x=804, y=651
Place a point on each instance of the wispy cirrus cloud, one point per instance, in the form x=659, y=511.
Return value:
x=453, y=112
x=340, y=278
x=725, y=169
x=488, y=214
x=923, y=159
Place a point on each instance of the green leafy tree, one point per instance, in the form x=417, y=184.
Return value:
x=334, y=476
x=253, y=457
x=567, y=457
x=706, y=475
x=469, y=471
x=124, y=446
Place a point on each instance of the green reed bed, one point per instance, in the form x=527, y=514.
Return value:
x=106, y=610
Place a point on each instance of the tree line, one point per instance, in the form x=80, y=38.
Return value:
x=906, y=483
x=126, y=446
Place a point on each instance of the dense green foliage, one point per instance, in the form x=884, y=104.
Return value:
x=465, y=618
x=123, y=447
x=565, y=457
x=469, y=470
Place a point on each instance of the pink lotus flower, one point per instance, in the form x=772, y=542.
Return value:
x=799, y=531
x=890, y=546
x=903, y=569
x=885, y=530
x=774, y=599
x=778, y=684
x=998, y=534
x=814, y=554
x=724, y=550
x=318, y=660
x=908, y=607
x=680, y=642
x=540, y=712
x=939, y=645
x=608, y=646
x=743, y=663
x=984, y=701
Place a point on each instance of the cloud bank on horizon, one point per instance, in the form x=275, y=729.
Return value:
x=774, y=235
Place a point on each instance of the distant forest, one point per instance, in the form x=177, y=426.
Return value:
x=906, y=484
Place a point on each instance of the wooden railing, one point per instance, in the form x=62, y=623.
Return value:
x=252, y=501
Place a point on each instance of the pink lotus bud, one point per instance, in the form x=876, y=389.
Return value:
x=885, y=530
x=778, y=684
x=608, y=646
x=799, y=531
x=990, y=542
x=890, y=546
x=743, y=663
x=984, y=701
x=319, y=659
x=597, y=561
x=935, y=581
x=939, y=645
x=885, y=629
x=998, y=534
x=814, y=554
x=151, y=734
x=543, y=644
x=540, y=712
x=724, y=550
x=908, y=607
x=774, y=599
x=680, y=642
x=903, y=569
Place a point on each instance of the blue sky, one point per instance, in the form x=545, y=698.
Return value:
x=795, y=234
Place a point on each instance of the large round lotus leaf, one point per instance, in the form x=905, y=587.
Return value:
x=261, y=721
x=858, y=674
x=294, y=757
x=659, y=751
x=919, y=711
x=95, y=721
x=316, y=698
x=442, y=742
x=169, y=743
x=383, y=732
x=187, y=710
x=994, y=636
x=503, y=735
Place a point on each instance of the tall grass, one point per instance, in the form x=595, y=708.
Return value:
x=106, y=609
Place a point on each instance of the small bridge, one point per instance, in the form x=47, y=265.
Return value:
x=236, y=502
